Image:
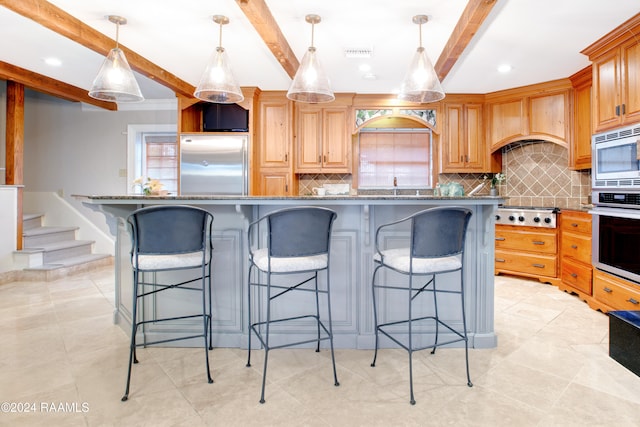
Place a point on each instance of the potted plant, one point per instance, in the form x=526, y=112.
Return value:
x=496, y=179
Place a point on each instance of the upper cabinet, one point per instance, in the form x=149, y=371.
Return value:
x=535, y=112
x=463, y=147
x=580, y=150
x=323, y=143
x=616, y=77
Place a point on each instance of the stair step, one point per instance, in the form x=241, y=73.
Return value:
x=55, y=251
x=31, y=221
x=36, y=237
x=70, y=262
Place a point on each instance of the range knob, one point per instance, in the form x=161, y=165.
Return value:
x=512, y=218
x=497, y=217
x=547, y=220
x=536, y=219
x=521, y=218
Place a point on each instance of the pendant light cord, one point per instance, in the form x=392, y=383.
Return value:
x=117, y=33
x=220, y=37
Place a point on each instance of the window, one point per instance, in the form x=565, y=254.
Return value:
x=400, y=155
x=152, y=151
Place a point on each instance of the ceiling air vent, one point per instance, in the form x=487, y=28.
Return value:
x=358, y=52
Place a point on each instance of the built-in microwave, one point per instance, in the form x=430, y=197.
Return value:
x=616, y=159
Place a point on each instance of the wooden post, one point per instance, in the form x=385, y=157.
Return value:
x=14, y=174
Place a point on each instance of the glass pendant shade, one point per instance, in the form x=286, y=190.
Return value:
x=115, y=81
x=311, y=83
x=421, y=83
x=217, y=83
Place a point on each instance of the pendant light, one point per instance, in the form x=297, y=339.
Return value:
x=217, y=83
x=421, y=83
x=311, y=83
x=115, y=81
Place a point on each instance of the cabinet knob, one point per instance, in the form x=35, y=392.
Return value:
x=574, y=275
x=538, y=242
x=633, y=301
x=573, y=224
x=538, y=265
x=500, y=238
x=574, y=246
x=607, y=290
x=499, y=260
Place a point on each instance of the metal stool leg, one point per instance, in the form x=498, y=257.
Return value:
x=375, y=314
x=435, y=308
x=249, y=316
x=134, y=328
x=333, y=358
x=315, y=279
x=266, y=339
x=412, y=400
x=464, y=326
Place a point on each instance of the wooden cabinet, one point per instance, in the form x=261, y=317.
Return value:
x=275, y=145
x=322, y=140
x=463, y=147
x=535, y=112
x=616, y=77
x=580, y=147
x=527, y=251
x=575, y=253
x=613, y=293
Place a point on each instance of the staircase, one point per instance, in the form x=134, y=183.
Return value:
x=49, y=253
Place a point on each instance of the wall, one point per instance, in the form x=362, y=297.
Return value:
x=71, y=148
x=3, y=130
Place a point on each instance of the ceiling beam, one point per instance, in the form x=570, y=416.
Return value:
x=470, y=21
x=56, y=19
x=265, y=24
x=50, y=86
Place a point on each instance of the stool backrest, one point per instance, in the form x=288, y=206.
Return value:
x=166, y=230
x=300, y=231
x=439, y=232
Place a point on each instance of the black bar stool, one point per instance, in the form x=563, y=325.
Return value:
x=436, y=247
x=298, y=241
x=169, y=238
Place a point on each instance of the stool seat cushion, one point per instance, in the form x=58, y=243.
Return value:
x=399, y=259
x=289, y=264
x=168, y=262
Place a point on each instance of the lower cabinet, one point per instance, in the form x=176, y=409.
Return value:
x=527, y=251
x=575, y=253
x=613, y=293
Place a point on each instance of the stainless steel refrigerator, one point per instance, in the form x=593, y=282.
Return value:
x=215, y=164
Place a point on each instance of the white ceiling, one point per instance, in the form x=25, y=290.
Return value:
x=541, y=39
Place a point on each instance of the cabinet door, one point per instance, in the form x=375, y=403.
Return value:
x=309, y=140
x=631, y=82
x=275, y=136
x=549, y=115
x=274, y=183
x=336, y=151
x=606, y=83
x=463, y=148
x=580, y=153
x=507, y=122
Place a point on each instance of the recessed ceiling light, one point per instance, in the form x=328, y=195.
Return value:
x=369, y=76
x=358, y=52
x=505, y=68
x=54, y=62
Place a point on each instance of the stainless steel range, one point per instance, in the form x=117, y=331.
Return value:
x=527, y=216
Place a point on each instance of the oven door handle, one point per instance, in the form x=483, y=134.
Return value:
x=616, y=212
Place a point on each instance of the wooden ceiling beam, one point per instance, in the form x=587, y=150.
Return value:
x=56, y=19
x=470, y=21
x=50, y=86
x=265, y=24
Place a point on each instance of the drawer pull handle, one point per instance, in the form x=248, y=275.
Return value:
x=499, y=260
x=538, y=265
x=538, y=242
x=574, y=246
x=607, y=290
x=632, y=301
x=574, y=275
x=573, y=224
x=500, y=239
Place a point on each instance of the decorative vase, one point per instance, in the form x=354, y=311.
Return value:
x=493, y=191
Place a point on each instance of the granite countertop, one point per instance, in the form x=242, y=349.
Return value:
x=235, y=197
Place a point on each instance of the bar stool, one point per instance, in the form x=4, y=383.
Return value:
x=437, y=246
x=297, y=241
x=170, y=238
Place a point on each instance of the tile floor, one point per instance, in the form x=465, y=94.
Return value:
x=61, y=353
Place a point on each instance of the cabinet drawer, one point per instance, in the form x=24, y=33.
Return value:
x=576, y=275
x=575, y=222
x=539, y=265
x=534, y=241
x=615, y=292
x=576, y=246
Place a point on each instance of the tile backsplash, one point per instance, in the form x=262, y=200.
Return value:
x=537, y=175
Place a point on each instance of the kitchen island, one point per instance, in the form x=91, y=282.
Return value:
x=352, y=247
